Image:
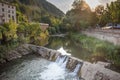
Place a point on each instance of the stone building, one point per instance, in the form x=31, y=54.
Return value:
x=44, y=26
x=7, y=12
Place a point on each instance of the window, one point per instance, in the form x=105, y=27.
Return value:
x=3, y=15
x=2, y=4
x=3, y=9
x=9, y=15
x=8, y=11
x=13, y=12
x=3, y=20
x=12, y=7
x=13, y=18
x=8, y=6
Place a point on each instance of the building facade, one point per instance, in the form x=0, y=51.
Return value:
x=7, y=12
x=44, y=26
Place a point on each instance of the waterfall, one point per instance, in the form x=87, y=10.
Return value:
x=77, y=68
x=62, y=61
x=65, y=63
x=58, y=59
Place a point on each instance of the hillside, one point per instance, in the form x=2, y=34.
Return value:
x=36, y=9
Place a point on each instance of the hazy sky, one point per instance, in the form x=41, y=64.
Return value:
x=65, y=5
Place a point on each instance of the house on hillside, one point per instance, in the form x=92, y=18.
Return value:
x=7, y=12
x=44, y=26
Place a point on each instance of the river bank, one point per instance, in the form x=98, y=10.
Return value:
x=98, y=50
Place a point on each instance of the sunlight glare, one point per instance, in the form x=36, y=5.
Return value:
x=92, y=3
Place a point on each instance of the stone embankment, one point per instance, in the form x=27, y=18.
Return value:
x=110, y=35
x=86, y=70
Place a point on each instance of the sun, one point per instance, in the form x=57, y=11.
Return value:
x=92, y=3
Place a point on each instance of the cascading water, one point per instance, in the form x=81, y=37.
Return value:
x=57, y=60
x=35, y=68
x=61, y=59
x=75, y=72
x=77, y=68
x=65, y=63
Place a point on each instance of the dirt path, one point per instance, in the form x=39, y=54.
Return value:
x=112, y=36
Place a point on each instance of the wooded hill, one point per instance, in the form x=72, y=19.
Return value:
x=36, y=9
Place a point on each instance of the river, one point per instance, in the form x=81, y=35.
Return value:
x=33, y=67
x=69, y=46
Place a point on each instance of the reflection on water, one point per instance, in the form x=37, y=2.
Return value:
x=69, y=47
x=43, y=41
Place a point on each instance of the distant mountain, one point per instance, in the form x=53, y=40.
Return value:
x=35, y=9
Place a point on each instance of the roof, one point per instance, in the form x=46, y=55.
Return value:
x=7, y=3
x=44, y=24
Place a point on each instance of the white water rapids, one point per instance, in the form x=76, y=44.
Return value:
x=32, y=67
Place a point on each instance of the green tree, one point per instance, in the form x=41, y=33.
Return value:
x=79, y=17
x=8, y=32
x=109, y=15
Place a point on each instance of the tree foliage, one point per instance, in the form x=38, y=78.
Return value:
x=35, y=9
x=8, y=32
x=109, y=15
x=30, y=33
x=79, y=17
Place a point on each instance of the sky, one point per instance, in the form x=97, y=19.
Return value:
x=65, y=5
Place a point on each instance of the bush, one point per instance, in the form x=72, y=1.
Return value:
x=8, y=32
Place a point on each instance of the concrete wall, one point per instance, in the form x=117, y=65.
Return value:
x=112, y=36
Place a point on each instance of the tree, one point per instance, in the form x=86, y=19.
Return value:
x=99, y=10
x=79, y=17
x=109, y=15
x=8, y=32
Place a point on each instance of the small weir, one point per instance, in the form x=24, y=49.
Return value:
x=36, y=68
x=63, y=61
x=53, y=65
x=77, y=68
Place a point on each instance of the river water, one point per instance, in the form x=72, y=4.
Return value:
x=32, y=67
x=68, y=46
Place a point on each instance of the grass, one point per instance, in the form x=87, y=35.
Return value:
x=98, y=47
